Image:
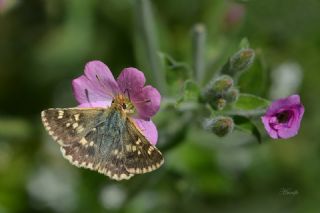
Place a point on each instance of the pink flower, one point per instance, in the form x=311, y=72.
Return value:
x=97, y=88
x=283, y=117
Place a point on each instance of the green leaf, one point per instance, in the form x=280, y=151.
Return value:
x=244, y=43
x=249, y=106
x=250, y=102
x=246, y=125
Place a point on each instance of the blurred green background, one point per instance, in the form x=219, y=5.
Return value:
x=45, y=44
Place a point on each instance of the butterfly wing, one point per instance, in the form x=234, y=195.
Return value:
x=99, y=150
x=104, y=140
x=141, y=155
x=89, y=138
x=69, y=125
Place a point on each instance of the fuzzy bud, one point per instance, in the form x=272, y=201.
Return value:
x=221, y=126
x=222, y=83
x=220, y=104
x=216, y=90
x=239, y=62
x=232, y=95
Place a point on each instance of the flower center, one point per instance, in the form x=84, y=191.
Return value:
x=123, y=103
x=284, y=117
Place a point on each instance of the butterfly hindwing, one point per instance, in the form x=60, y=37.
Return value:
x=68, y=125
x=141, y=156
x=101, y=148
x=93, y=153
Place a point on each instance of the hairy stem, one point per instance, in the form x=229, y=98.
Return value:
x=147, y=32
x=198, y=49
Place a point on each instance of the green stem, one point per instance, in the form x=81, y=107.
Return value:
x=198, y=49
x=145, y=22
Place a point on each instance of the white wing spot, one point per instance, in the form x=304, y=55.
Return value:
x=138, y=141
x=60, y=114
x=80, y=129
x=83, y=141
x=75, y=125
x=128, y=147
x=76, y=117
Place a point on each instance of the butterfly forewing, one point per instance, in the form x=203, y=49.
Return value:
x=69, y=125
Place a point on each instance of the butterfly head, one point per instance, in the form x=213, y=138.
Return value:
x=123, y=103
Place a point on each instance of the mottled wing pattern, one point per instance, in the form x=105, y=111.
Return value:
x=104, y=140
x=68, y=125
x=99, y=150
x=141, y=156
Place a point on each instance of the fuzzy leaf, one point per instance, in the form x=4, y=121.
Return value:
x=255, y=81
x=250, y=102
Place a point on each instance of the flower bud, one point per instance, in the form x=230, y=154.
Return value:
x=220, y=104
x=222, y=83
x=220, y=125
x=232, y=95
x=239, y=62
x=215, y=91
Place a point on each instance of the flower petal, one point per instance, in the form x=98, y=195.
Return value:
x=131, y=81
x=97, y=85
x=294, y=126
x=148, y=129
x=283, y=103
x=279, y=128
x=96, y=104
x=147, y=102
x=273, y=133
x=86, y=92
x=99, y=74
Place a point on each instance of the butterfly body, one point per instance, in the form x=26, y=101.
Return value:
x=106, y=140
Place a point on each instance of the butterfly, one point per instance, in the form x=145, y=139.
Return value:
x=106, y=140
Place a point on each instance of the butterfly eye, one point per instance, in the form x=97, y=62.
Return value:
x=112, y=101
x=124, y=106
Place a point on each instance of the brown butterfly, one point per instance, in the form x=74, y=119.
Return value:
x=103, y=139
